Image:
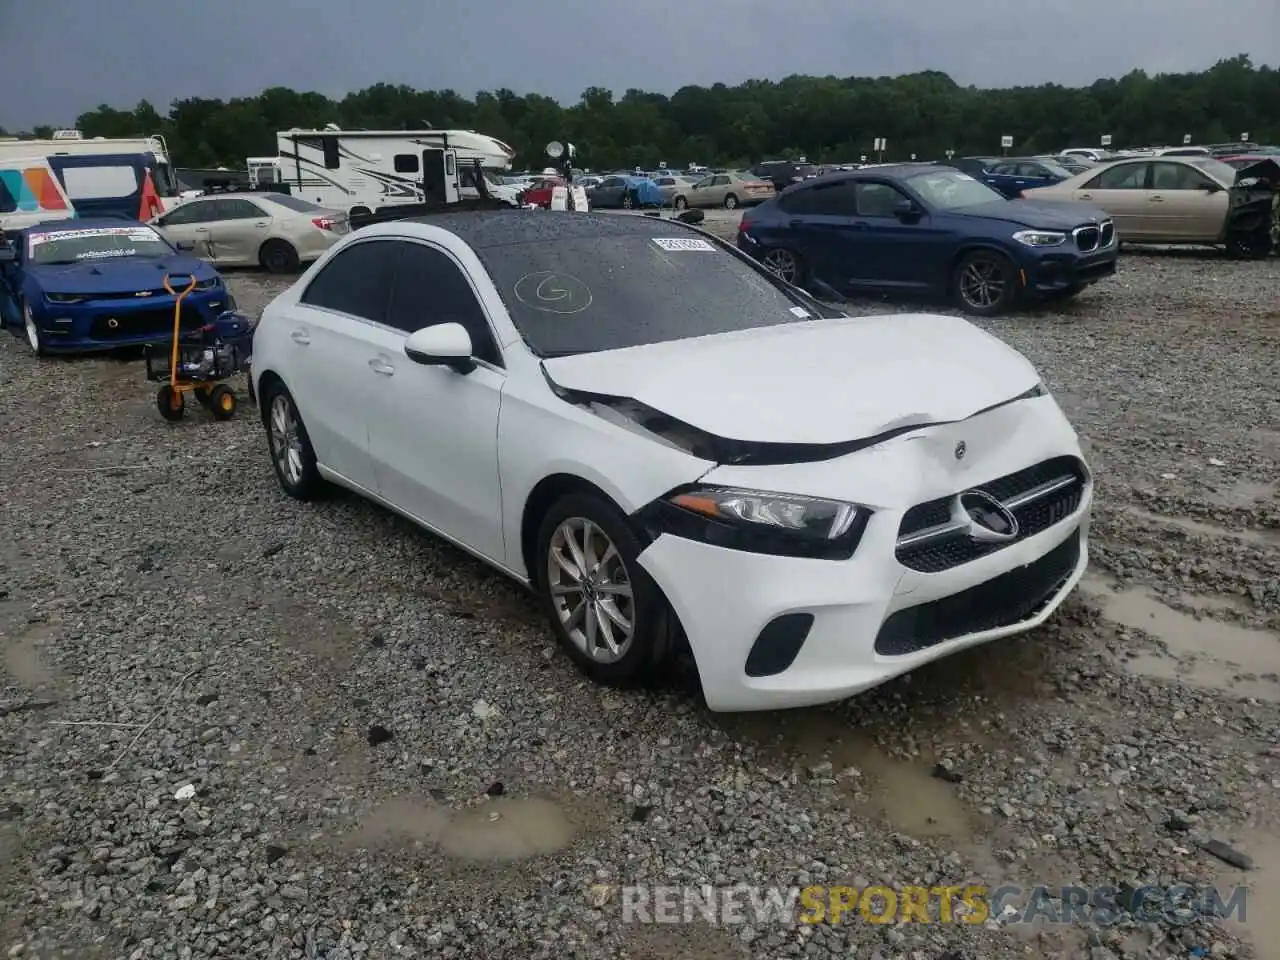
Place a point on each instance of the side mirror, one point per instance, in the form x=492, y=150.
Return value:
x=1211, y=187
x=443, y=345
x=906, y=210
x=185, y=246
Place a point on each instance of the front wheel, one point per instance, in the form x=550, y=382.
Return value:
x=170, y=403
x=222, y=402
x=605, y=610
x=681, y=203
x=1250, y=245
x=292, y=455
x=35, y=339
x=628, y=201
x=985, y=283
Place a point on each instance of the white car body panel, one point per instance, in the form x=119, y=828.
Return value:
x=461, y=454
x=826, y=381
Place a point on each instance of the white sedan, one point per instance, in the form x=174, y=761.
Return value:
x=667, y=443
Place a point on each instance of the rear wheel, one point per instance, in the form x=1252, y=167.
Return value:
x=604, y=609
x=731, y=202
x=359, y=212
x=785, y=264
x=279, y=256
x=681, y=203
x=628, y=201
x=222, y=402
x=985, y=283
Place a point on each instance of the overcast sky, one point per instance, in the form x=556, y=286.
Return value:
x=63, y=57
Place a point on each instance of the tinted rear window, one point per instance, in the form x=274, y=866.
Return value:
x=292, y=202
x=584, y=295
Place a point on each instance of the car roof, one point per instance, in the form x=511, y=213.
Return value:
x=82, y=223
x=481, y=229
x=893, y=171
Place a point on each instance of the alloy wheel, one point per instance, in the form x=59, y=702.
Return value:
x=982, y=283
x=33, y=332
x=286, y=439
x=783, y=264
x=591, y=590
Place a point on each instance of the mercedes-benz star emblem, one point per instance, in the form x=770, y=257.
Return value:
x=990, y=521
x=960, y=450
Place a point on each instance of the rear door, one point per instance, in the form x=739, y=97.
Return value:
x=1121, y=190
x=239, y=230
x=824, y=228
x=1004, y=177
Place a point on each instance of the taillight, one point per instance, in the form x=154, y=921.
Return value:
x=324, y=223
x=743, y=224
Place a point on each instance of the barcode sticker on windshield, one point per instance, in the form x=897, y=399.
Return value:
x=683, y=243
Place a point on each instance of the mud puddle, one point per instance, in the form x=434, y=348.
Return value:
x=901, y=791
x=500, y=830
x=1246, y=493
x=1266, y=538
x=1206, y=653
x=20, y=657
x=1261, y=926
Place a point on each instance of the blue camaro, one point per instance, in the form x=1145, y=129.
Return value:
x=78, y=285
x=930, y=230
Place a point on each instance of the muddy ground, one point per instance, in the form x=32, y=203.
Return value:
x=386, y=757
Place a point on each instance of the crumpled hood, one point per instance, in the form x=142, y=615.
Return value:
x=1039, y=214
x=820, y=382
x=118, y=275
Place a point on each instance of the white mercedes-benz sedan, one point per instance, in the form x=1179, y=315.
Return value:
x=668, y=443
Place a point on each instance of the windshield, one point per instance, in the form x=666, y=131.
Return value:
x=951, y=189
x=95, y=243
x=597, y=293
x=1224, y=173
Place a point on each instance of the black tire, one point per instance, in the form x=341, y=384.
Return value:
x=985, y=283
x=1250, y=245
x=731, y=201
x=650, y=643
x=278, y=256
x=222, y=402
x=308, y=483
x=359, y=212
x=680, y=203
x=31, y=331
x=787, y=264
x=170, y=403
x=628, y=201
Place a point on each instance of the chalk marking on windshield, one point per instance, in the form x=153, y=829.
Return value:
x=674, y=244
x=550, y=292
x=800, y=312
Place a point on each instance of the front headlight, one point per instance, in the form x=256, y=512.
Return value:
x=1040, y=238
x=211, y=284
x=760, y=521
x=65, y=297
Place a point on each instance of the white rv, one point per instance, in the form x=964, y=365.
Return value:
x=72, y=144
x=357, y=171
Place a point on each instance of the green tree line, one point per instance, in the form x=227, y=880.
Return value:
x=822, y=118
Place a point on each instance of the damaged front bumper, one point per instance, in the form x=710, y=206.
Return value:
x=772, y=631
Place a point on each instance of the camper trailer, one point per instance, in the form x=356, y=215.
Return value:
x=358, y=171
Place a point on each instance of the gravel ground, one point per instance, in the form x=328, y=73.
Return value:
x=234, y=726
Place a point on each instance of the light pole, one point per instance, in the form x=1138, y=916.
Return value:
x=557, y=150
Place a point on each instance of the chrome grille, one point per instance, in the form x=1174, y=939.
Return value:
x=1086, y=238
x=932, y=538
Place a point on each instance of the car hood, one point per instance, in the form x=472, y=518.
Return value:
x=116, y=276
x=821, y=382
x=1039, y=214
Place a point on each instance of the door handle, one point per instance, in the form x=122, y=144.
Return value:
x=300, y=336
x=1086, y=196
x=378, y=365
x=261, y=223
x=1155, y=199
x=202, y=229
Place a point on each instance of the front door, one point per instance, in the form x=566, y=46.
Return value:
x=433, y=430
x=333, y=331
x=188, y=225
x=239, y=231
x=892, y=251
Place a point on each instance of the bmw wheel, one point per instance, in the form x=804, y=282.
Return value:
x=785, y=264
x=292, y=455
x=605, y=610
x=35, y=339
x=985, y=283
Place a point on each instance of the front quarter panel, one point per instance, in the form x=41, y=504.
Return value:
x=540, y=435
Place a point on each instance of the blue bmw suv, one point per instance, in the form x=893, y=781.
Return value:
x=921, y=229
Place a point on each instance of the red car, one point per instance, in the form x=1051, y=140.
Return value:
x=539, y=192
